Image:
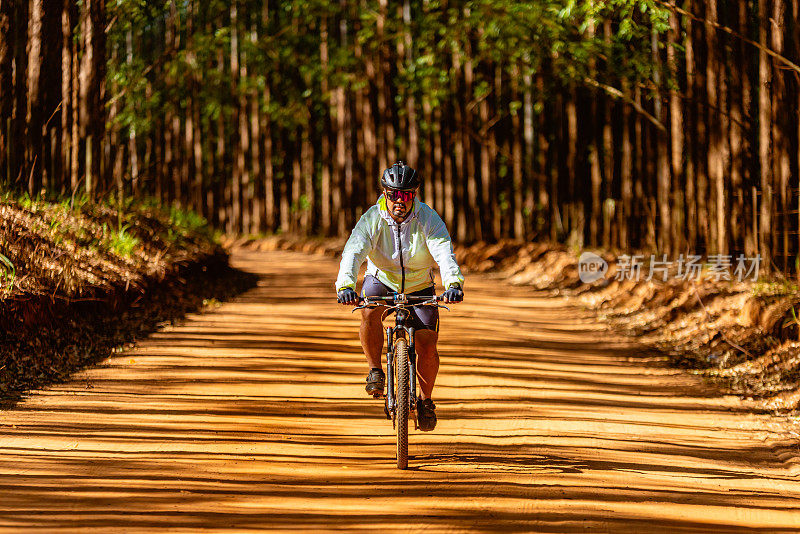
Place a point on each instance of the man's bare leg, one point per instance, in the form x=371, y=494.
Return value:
x=371, y=334
x=427, y=360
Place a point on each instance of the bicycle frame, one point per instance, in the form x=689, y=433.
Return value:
x=401, y=307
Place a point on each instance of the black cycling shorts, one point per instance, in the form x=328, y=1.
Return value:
x=421, y=318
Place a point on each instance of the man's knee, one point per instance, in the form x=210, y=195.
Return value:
x=425, y=341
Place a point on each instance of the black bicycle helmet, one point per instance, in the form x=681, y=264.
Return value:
x=400, y=176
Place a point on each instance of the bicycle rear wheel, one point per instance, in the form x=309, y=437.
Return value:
x=401, y=369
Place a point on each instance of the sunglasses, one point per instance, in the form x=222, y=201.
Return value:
x=401, y=196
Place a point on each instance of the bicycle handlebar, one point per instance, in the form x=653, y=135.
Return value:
x=432, y=300
x=408, y=298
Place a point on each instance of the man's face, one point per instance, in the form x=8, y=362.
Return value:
x=398, y=206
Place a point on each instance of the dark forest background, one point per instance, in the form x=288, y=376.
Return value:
x=625, y=124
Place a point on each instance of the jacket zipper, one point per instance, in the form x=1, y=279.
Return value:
x=402, y=267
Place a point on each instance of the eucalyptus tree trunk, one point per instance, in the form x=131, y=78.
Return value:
x=662, y=165
x=20, y=107
x=533, y=178
x=455, y=197
x=780, y=141
x=518, y=228
x=243, y=141
x=52, y=164
x=626, y=174
x=72, y=18
x=716, y=169
x=133, y=151
x=764, y=115
x=265, y=126
x=326, y=196
x=366, y=123
x=256, y=161
x=387, y=150
x=702, y=143
x=412, y=147
x=676, y=148
x=32, y=166
x=741, y=138
x=237, y=171
x=7, y=93
x=690, y=123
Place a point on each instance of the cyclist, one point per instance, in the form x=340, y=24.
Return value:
x=402, y=239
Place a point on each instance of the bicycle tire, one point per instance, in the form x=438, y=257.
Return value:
x=402, y=400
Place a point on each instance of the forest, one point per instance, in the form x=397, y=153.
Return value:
x=634, y=125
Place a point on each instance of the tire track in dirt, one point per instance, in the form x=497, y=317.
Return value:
x=253, y=416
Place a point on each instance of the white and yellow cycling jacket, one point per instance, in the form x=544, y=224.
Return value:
x=402, y=256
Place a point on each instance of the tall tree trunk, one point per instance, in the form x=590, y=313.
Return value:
x=77, y=143
x=662, y=165
x=516, y=158
x=133, y=150
x=7, y=93
x=307, y=159
x=458, y=154
x=95, y=57
x=256, y=161
x=341, y=162
x=52, y=54
x=18, y=137
x=742, y=136
x=716, y=168
x=702, y=144
x=387, y=152
x=626, y=175
x=691, y=115
x=764, y=115
x=367, y=122
x=573, y=207
x=34, y=122
x=243, y=143
x=676, y=147
x=529, y=159
x=780, y=141
x=608, y=156
x=326, y=194
x=412, y=150
x=238, y=149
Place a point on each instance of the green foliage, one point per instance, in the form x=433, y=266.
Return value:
x=7, y=274
x=565, y=39
x=187, y=220
x=119, y=241
x=763, y=288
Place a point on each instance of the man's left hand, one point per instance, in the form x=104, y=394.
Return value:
x=454, y=294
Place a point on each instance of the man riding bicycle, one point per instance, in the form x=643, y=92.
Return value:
x=402, y=239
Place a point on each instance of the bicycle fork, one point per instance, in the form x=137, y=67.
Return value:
x=390, y=406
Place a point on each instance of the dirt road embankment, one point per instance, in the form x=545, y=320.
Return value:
x=78, y=281
x=253, y=416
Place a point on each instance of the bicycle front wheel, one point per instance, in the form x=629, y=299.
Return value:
x=401, y=384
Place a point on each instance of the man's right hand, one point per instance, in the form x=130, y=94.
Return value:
x=347, y=296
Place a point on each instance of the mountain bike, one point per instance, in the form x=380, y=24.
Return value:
x=400, y=400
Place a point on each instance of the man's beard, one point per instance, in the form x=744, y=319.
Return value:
x=398, y=210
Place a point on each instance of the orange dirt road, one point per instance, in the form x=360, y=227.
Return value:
x=253, y=417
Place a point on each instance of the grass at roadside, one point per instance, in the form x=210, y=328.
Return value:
x=69, y=248
x=78, y=279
